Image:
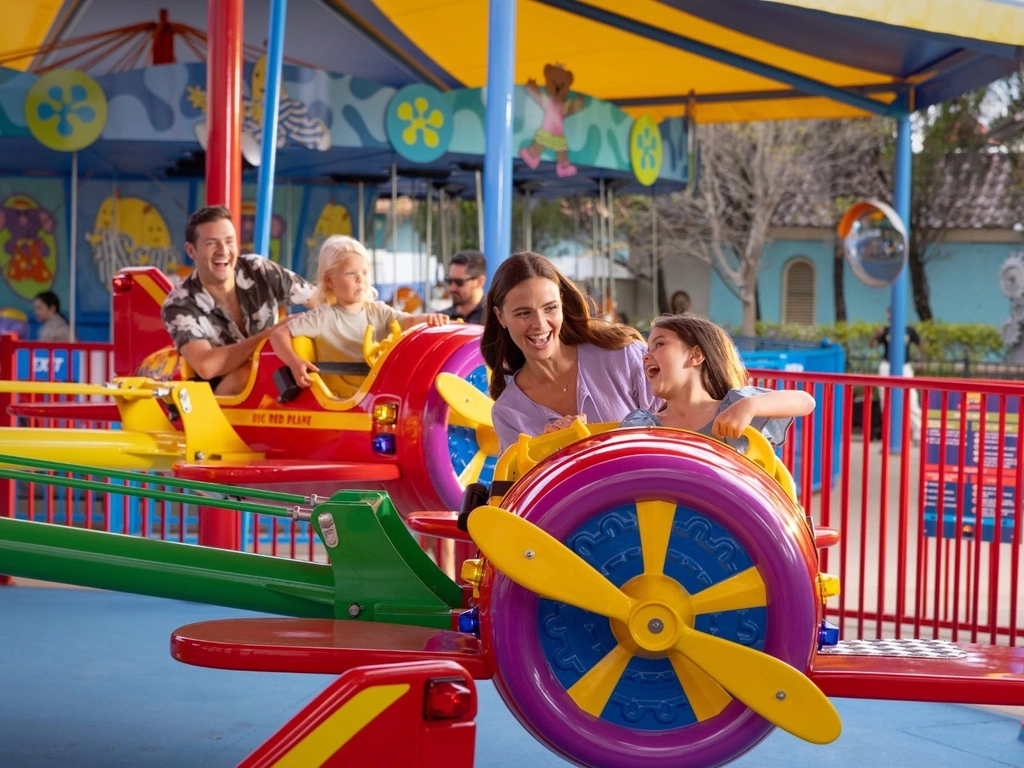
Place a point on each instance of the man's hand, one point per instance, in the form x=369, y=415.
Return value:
x=301, y=370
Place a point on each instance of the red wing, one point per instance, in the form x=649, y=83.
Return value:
x=922, y=670
x=320, y=646
x=286, y=472
x=70, y=410
x=442, y=523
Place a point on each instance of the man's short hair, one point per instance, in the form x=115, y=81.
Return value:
x=474, y=262
x=204, y=216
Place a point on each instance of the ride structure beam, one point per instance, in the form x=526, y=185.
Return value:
x=376, y=572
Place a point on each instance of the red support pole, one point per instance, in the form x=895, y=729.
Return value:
x=163, y=40
x=219, y=528
x=224, y=110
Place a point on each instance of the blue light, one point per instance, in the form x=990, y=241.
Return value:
x=469, y=621
x=828, y=634
x=384, y=443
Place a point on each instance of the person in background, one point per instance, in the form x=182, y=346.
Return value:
x=694, y=367
x=466, y=276
x=228, y=304
x=679, y=304
x=551, y=361
x=54, y=326
x=911, y=340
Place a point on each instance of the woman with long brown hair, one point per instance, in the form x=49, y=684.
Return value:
x=550, y=360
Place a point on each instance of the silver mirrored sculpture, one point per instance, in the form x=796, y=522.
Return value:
x=875, y=242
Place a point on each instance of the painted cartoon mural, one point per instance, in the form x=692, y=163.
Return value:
x=28, y=251
x=136, y=215
x=278, y=227
x=131, y=232
x=334, y=219
x=557, y=105
x=297, y=125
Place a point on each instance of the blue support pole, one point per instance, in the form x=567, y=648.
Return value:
x=501, y=59
x=271, y=110
x=898, y=322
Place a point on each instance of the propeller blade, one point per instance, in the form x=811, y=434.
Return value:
x=782, y=695
x=654, y=519
x=466, y=400
x=539, y=562
x=592, y=691
x=472, y=471
x=744, y=590
x=456, y=420
x=707, y=698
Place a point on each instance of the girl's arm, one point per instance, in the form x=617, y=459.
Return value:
x=281, y=342
x=779, y=404
x=433, y=318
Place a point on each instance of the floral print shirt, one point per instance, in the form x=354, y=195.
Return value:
x=190, y=313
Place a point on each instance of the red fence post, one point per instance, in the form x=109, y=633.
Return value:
x=8, y=499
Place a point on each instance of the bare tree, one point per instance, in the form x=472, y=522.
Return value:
x=748, y=173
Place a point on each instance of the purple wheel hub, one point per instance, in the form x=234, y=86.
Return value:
x=435, y=430
x=562, y=494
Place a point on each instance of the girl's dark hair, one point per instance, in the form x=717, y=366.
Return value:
x=501, y=354
x=722, y=369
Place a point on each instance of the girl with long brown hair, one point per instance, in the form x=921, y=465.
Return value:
x=693, y=365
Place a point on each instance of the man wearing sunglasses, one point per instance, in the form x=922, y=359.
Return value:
x=466, y=275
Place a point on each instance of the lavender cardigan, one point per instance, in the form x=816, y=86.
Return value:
x=610, y=383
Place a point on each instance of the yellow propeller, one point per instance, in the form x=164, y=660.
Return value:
x=652, y=615
x=471, y=405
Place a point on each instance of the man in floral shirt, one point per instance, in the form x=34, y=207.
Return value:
x=229, y=304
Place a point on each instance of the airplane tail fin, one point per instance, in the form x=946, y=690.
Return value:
x=138, y=295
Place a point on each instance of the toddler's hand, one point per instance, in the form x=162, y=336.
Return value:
x=733, y=420
x=301, y=371
x=436, y=318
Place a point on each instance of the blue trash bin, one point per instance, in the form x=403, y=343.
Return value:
x=770, y=354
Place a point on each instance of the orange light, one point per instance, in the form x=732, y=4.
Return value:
x=385, y=413
x=123, y=283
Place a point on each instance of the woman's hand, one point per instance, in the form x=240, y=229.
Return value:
x=436, y=318
x=733, y=420
x=564, y=421
x=301, y=370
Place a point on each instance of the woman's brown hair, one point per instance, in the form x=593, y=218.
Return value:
x=501, y=354
x=722, y=368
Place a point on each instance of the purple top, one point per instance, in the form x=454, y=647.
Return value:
x=609, y=384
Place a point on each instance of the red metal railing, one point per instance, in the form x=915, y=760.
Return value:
x=930, y=535
x=913, y=559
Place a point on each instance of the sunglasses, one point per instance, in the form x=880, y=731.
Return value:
x=458, y=282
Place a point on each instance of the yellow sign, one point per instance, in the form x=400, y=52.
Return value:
x=325, y=420
x=66, y=110
x=645, y=150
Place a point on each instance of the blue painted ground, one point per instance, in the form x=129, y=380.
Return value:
x=86, y=681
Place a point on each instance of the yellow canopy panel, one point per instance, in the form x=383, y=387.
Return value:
x=994, y=21
x=25, y=26
x=612, y=63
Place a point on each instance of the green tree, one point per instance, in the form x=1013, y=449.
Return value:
x=957, y=163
